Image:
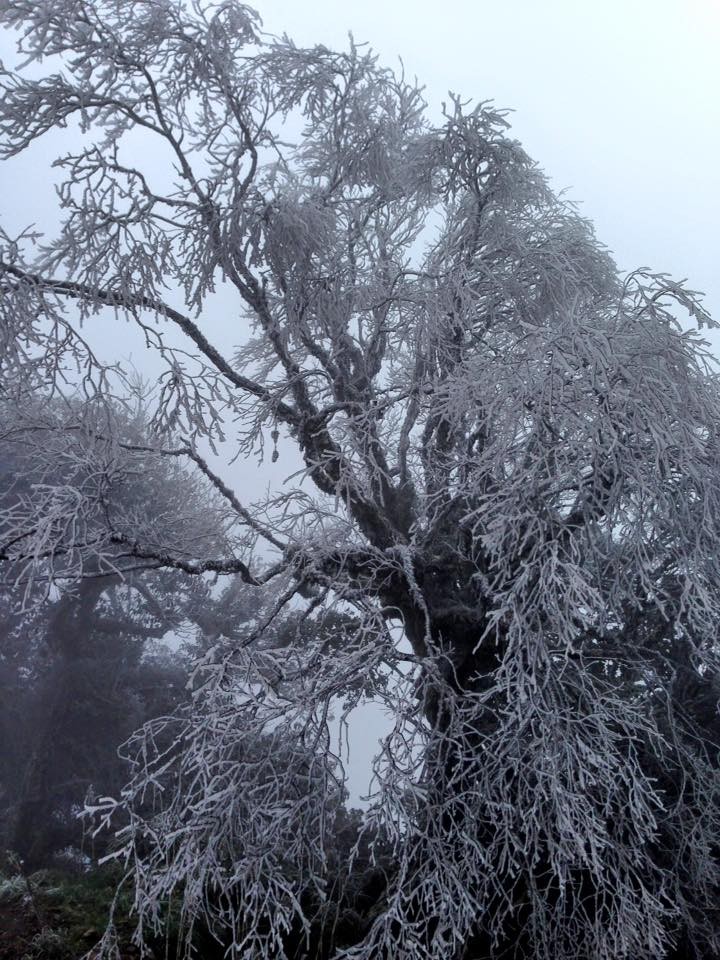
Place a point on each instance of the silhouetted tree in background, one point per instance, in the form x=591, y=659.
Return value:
x=79, y=673
x=65, y=712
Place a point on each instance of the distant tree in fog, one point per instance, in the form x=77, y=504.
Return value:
x=79, y=673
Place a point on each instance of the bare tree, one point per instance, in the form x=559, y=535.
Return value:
x=508, y=450
x=78, y=672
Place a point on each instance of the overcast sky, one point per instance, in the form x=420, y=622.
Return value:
x=618, y=100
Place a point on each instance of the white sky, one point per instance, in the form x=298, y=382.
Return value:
x=618, y=100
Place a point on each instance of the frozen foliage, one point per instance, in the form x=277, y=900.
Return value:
x=509, y=450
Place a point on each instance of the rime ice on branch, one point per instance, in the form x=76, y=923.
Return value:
x=508, y=449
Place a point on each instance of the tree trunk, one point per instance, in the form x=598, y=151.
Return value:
x=32, y=835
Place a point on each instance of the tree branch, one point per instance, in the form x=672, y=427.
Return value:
x=80, y=291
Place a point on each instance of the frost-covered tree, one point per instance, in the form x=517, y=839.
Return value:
x=508, y=475
x=80, y=671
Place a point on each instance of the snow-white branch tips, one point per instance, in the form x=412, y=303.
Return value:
x=505, y=449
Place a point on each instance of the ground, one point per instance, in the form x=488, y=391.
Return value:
x=53, y=915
